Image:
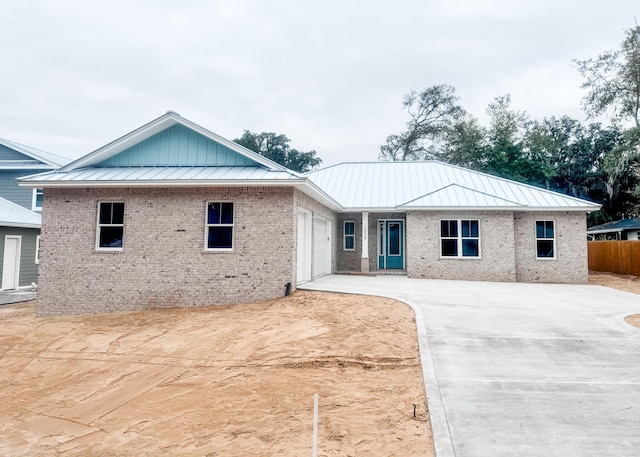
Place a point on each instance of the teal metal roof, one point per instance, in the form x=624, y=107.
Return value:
x=159, y=175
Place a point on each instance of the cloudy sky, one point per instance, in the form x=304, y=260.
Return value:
x=330, y=75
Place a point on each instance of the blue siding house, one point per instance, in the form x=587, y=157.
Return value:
x=20, y=210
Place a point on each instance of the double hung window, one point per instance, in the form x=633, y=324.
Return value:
x=110, y=230
x=349, y=236
x=459, y=238
x=545, y=240
x=219, y=234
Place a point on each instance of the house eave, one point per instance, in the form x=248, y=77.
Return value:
x=165, y=183
x=20, y=225
x=26, y=167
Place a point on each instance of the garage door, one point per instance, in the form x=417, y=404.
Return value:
x=303, y=258
x=321, y=247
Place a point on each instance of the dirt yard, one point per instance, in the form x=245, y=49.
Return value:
x=220, y=381
x=621, y=282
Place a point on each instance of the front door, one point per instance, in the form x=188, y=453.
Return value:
x=390, y=245
x=11, y=262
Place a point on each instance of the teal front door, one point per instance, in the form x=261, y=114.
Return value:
x=390, y=245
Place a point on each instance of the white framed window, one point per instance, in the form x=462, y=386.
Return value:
x=37, y=249
x=459, y=238
x=36, y=200
x=110, y=228
x=349, y=241
x=545, y=240
x=219, y=226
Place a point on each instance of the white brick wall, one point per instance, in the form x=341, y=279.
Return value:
x=497, y=256
x=163, y=262
x=571, y=262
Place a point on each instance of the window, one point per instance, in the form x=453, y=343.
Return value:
x=36, y=201
x=349, y=235
x=110, y=225
x=545, y=240
x=459, y=238
x=219, y=226
x=37, y=249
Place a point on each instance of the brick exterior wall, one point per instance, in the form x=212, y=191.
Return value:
x=497, y=247
x=163, y=262
x=349, y=260
x=571, y=263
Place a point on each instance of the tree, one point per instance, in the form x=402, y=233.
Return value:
x=613, y=80
x=465, y=144
x=432, y=112
x=276, y=147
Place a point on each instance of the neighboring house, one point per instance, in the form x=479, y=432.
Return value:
x=20, y=209
x=625, y=229
x=172, y=214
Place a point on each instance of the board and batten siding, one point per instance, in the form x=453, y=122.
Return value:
x=28, y=266
x=177, y=146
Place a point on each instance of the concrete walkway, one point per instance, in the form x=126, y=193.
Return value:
x=522, y=369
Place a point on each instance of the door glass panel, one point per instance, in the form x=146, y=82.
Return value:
x=394, y=239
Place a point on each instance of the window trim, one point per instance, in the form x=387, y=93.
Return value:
x=34, y=199
x=344, y=236
x=459, y=239
x=555, y=254
x=37, y=261
x=99, y=226
x=207, y=225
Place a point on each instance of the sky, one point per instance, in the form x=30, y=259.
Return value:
x=330, y=75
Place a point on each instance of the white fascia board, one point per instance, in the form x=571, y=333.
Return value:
x=598, y=232
x=163, y=122
x=19, y=225
x=40, y=166
x=165, y=183
x=462, y=208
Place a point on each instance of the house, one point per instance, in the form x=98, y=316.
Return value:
x=625, y=229
x=172, y=214
x=20, y=209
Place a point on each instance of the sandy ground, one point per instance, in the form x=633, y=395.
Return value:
x=621, y=282
x=219, y=381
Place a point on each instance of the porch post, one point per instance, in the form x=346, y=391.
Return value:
x=364, y=262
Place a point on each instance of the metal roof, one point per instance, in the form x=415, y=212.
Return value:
x=47, y=158
x=12, y=215
x=454, y=195
x=159, y=175
x=615, y=226
x=415, y=185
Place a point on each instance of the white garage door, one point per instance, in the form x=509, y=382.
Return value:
x=303, y=259
x=321, y=247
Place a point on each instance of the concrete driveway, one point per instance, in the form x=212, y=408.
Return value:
x=522, y=369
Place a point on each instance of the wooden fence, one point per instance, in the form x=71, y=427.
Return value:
x=615, y=256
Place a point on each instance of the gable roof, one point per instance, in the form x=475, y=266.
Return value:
x=173, y=151
x=19, y=156
x=455, y=196
x=14, y=215
x=386, y=186
x=615, y=226
x=113, y=154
